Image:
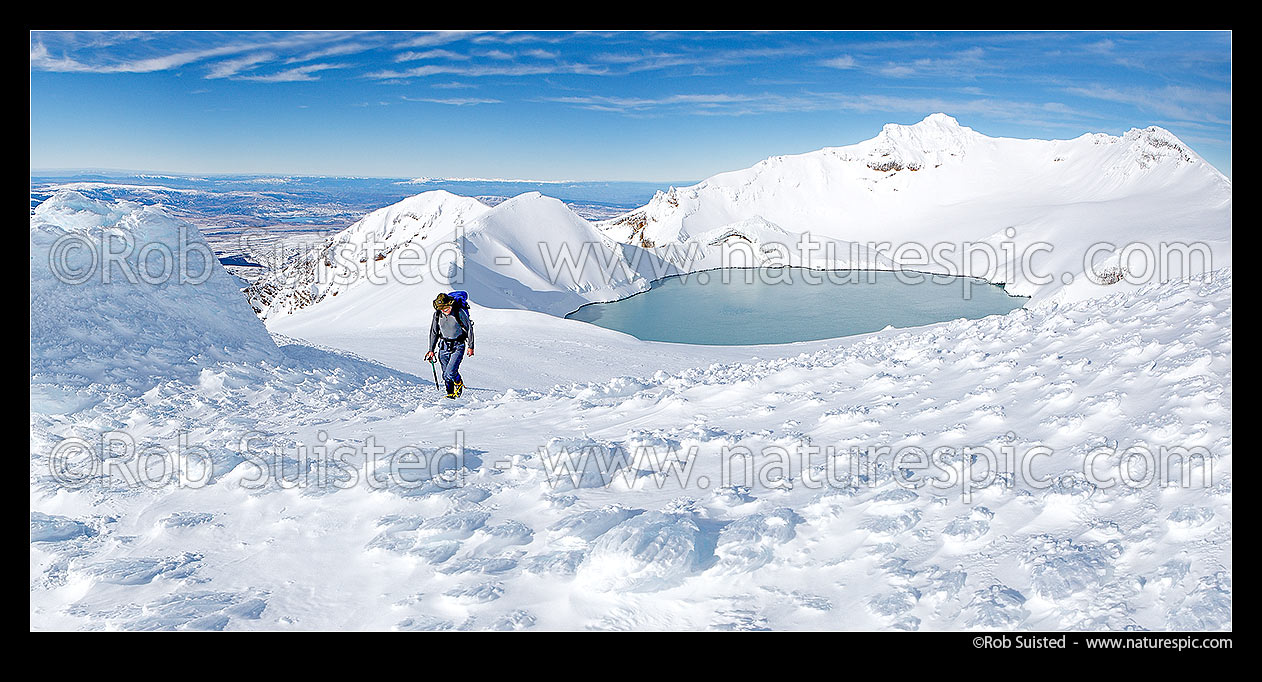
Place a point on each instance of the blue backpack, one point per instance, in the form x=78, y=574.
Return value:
x=462, y=303
x=462, y=300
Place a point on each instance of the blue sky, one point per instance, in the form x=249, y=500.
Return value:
x=552, y=105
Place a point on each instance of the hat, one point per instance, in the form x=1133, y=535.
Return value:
x=443, y=301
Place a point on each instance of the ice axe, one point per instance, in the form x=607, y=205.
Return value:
x=433, y=364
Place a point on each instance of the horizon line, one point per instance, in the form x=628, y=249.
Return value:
x=260, y=174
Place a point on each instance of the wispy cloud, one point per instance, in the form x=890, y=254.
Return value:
x=1101, y=47
x=842, y=62
x=968, y=63
x=1178, y=102
x=896, y=71
x=437, y=38
x=336, y=51
x=411, y=56
x=453, y=101
x=518, y=38
x=297, y=74
x=630, y=62
x=232, y=67
x=43, y=60
x=730, y=104
x=100, y=52
x=643, y=61
x=691, y=103
x=476, y=71
x=495, y=55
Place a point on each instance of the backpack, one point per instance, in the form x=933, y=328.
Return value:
x=461, y=303
x=462, y=300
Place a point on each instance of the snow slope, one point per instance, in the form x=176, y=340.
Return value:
x=282, y=485
x=511, y=542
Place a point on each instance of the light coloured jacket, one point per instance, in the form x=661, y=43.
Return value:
x=462, y=319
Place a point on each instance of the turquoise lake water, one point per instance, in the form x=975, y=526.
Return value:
x=783, y=305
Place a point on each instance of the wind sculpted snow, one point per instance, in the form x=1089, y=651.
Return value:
x=501, y=542
x=124, y=296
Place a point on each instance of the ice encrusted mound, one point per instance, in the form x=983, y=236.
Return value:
x=1208, y=607
x=47, y=528
x=750, y=542
x=996, y=607
x=582, y=462
x=648, y=552
x=590, y=525
x=201, y=610
x=126, y=296
x=1060, y=567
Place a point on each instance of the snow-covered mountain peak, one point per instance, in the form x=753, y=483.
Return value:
x=529, y=203
x=526, y=197
x=928, y=144
x=415, y=217
x=937, y=125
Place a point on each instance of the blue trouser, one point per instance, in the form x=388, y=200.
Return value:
x=450, y=353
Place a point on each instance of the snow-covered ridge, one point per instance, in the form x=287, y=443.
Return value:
x=529, y=252
x=351, y=255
